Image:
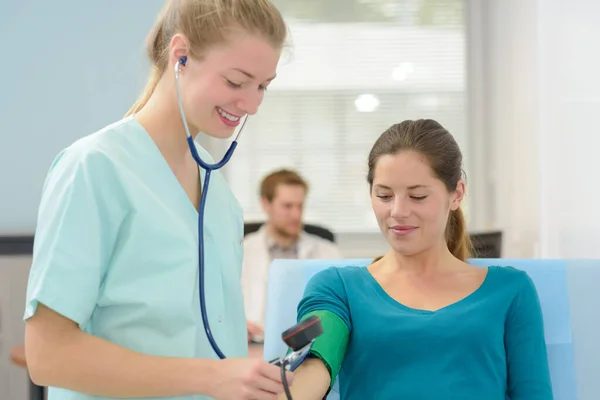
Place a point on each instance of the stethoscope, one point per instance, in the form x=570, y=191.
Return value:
x=208, y=168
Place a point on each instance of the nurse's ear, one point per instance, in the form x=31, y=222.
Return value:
x=179, y=49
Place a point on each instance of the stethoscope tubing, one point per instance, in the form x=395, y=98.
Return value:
x=203, y=198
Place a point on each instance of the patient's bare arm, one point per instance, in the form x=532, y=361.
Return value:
x=311, y=381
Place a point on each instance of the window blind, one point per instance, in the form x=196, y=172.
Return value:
x=351, y=72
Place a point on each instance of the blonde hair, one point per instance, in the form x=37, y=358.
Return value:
x=207, y=23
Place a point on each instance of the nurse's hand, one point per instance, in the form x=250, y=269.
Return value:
x=247, y=379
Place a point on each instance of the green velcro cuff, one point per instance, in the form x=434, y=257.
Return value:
x=330, y=347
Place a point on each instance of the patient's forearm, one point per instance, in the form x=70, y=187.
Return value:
x=311, y=381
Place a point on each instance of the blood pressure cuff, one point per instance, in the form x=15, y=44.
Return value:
x=330, y=347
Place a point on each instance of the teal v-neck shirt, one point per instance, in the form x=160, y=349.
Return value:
x=488, y=346
x=116, y=250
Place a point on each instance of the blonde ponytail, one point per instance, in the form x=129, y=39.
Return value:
x=150, y=87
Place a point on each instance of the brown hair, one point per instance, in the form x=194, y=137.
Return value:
x=430, y=139
x=270, y=183
x=207, y=23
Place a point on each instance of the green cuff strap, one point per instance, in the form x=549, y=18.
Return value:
x=330, y=347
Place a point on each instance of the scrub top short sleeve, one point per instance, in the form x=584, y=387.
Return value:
x=77, y=227
x=116, y=250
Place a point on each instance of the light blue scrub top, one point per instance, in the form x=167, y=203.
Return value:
x=116, y=250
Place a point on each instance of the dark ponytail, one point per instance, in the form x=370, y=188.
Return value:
x=457, y=237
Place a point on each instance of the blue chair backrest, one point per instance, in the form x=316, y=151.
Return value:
x=569, y=292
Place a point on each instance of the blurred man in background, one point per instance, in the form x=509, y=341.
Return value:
x=282, y=194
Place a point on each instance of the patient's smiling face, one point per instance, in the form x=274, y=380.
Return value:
x=411, y=203
x=415, y=179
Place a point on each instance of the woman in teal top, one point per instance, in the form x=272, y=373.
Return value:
x=420, y=323
x=112, y=303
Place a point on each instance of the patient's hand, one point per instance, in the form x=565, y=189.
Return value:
x=254, y=330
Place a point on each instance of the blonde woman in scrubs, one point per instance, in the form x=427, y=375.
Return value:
x=112, y=303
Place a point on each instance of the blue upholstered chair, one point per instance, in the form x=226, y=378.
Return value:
x=569, y=291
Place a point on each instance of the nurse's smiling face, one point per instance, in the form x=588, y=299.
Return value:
x=226, y=84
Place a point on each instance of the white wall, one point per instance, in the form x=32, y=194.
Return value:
x=569, y=129
x=509, y=54
x=541, y=94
